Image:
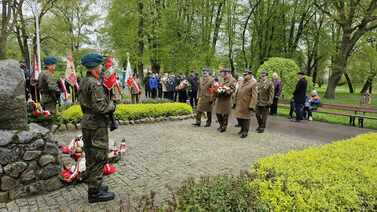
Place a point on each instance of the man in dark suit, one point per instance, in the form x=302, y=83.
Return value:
x=299, y=96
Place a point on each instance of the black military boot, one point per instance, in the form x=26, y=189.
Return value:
x=95, y=195
x=243, y=135
x=104, y=187
x=196, y=124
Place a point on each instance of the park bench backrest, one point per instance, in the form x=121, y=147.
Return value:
x=349, y=108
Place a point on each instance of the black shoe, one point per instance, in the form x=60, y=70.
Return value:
x=101, y=196
x=104, y=188
x=207, y=125
x=240, y=132
x=237, y=125
x=219, y=129
x=222, y=130
x=260, y=131
x=196, y=124
x=243, y=135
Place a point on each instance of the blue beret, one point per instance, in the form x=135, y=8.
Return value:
x=50, y=60
x=91, y=60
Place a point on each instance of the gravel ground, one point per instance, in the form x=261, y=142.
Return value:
x=164, y=154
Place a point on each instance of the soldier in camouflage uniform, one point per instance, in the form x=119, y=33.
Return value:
x=205, y=96
x=48, y=85
x=265, y=90
x=96, y=106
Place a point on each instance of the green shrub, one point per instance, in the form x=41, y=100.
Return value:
x=72, y=114
x=337, y=177
x=221, y=193
x=287, y=70
x=133, y=111
x=341, y=176
x=138, y=111
x=148, y=101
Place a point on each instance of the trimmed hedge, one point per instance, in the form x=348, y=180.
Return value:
x=132, y=111
x=287, y=70
x=341, y=176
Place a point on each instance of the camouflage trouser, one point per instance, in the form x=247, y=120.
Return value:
x=96, y=149
x=262, y=113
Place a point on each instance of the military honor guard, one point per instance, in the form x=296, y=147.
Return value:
x=265, y=98
x=205, y=96
x=48, y=85
x=95, y=106
x=245, y=102
x=223, y=96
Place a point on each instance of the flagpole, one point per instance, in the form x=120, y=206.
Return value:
x=37, y=30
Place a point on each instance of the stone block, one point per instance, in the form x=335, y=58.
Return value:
x=31, y=155
x=51, y=148
x=36, y=145
x=49, y=171
x=13, y=115
x=6, y=137
x=4, y=196
x=15, y=169
x=52, y=184
x=7, y=156
x=8, y=183
x=46, y=159
x=28, y=176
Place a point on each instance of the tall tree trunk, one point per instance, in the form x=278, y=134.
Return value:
x=339, y=65
x=3, y=46
x=349, y=82
x=140, y=55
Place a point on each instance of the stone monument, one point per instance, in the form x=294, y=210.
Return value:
x=29, y=158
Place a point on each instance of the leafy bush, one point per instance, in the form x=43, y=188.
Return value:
x=287, y=70
x=138, y=111
x=222, y=193
x=133, y=111
x=337, y=177
x=148, y=101
x=72, y=114
x=341, y=176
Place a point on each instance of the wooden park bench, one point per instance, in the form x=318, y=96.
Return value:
x=353, y=112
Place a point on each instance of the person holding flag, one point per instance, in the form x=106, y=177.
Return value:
x=70, y=75
x=134, y=86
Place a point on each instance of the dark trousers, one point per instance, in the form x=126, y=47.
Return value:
x=182, y=96
x=262, y=113
x=193, y=99
x=299, y=110
x=95, y=156
x=291, y=109
x=223, y=120
x=245, y=125
x=274, y=107
x=169, y=95
x=199, y=118
x=135, y=98
x=154, y=93
x=147, y=93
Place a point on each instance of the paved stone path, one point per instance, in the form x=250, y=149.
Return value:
x=167, y=153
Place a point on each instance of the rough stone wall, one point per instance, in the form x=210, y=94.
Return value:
x=29, y=163
x=29, y=158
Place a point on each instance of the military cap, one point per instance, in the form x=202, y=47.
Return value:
x=91, y=60
x=247, y=71
x=225, y=70
x=301, y=73
x=206, y=70
x=264, y=72
x=50, y=60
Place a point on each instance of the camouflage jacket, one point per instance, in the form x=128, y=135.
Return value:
x=48, y=87
x=265, y=92
x=94, y=104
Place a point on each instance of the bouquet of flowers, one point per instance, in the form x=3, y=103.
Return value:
x=222, y=90
x=37, y=113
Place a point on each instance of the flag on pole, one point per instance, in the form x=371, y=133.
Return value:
x=70, y=73
x=110, y=78
x=128, y=77
x=36, y=70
